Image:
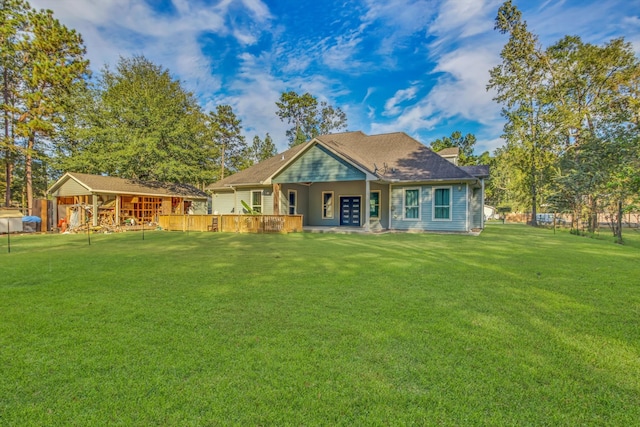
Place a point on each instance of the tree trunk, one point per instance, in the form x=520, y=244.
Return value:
x=619, y=223
x=222, y=164
x=28, y=173
x=534, y=197
x=7, y=150
x=593, y=215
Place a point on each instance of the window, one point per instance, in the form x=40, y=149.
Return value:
x=256, y=201
x=327, y=205
x=442, y=203
x=374, y=204
x=293, y=197
x=412, y=203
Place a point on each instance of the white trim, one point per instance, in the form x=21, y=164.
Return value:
x=367, y=203
x=379, y=202
x=295, y=206
x=261, y=200
x=404, y=203
x=433, y=203
x=333, y=205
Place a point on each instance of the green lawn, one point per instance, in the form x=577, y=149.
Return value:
x=515, y=327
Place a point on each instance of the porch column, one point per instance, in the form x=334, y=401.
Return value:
x=117, y=212
x=94, y=219
x=276, y=199
x=367, y=204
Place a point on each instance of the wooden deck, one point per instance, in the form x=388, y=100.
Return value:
x=232, y=223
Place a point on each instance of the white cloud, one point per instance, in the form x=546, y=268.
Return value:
x=392, y=106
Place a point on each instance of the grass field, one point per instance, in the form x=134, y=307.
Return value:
x=515, y=327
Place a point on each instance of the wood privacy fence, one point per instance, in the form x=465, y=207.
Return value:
x=232, y=223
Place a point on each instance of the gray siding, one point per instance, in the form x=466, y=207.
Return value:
x=319, y=165
x=223, y=202
x=458, y=221
x=228, y=202
x=475, y=205
x=303, y=200
x=71, y=188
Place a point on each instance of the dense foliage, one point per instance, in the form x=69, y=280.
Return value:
x=572, y=124
x=308, y=118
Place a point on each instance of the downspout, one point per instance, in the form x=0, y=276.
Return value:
x=389, y=205
x=466, y=201
x=482, y=203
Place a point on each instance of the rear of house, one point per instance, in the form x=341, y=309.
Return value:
x=379, y=182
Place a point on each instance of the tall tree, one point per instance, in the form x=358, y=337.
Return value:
x=53, y=62
x=520, y=85
x=140, y=123
x=592, y=88
x=13, y=19
x=226, y=131
x=262, y=149
x=465, y=143
x=307, y=119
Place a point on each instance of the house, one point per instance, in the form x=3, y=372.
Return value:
x=376, y=182
x=78, y=196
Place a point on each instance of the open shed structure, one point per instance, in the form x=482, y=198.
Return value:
x=105, y=200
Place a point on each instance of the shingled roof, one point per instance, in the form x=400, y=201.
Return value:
x=391, y=157
x=115, y=185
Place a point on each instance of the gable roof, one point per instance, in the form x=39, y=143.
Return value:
x=449, y=152
x=115, y=185
x=479, y=171
x=390, y=157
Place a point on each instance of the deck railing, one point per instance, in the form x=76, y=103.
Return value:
x=232, y=223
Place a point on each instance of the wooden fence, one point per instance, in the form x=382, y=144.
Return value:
x=232, y=223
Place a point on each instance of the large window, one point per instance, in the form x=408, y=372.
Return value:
x=293, y=201
x=412, y=203
x=442, y=203
x=374, y=202
x=327, y=205
x=256, y=201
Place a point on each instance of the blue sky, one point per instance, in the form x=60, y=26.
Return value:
x=419, y=67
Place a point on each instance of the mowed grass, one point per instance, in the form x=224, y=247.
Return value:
x=515, y=327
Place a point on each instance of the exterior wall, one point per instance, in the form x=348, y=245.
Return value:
x=224, y=202
x=199, y=207
x=302, y=207
x=383, y=221
x=349, y=188
x=319, y=165
x=71, y=188
x=475, y=206
x=426, y=222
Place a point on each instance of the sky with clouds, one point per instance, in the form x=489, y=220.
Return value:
x=416, y=66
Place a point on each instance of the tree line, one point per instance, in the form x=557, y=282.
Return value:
x=571, y=111
x=133, y=121
x=572, y=114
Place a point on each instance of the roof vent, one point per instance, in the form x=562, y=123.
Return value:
x=282, y=158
